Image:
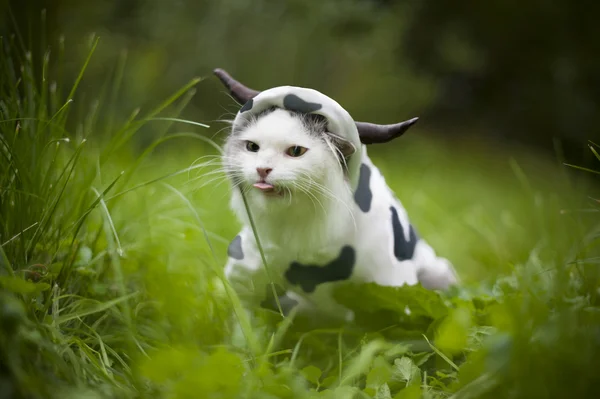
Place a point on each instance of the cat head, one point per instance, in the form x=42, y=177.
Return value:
x=279, y=155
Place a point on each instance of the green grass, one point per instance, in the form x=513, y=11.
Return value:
x=112, y=282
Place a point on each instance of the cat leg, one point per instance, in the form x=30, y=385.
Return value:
x=288, y=300
x=249, y=281
x=433, y=272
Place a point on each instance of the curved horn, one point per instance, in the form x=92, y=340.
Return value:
x=371, y=133
x=240, y=92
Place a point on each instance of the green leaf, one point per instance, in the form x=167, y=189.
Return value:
x=98, y=307
x=410, y=392
x=361, y=363
x=312, y=374
x=452, y=335
x=421, y=358
x=595, y=152
x=441, y=354
x=379, y=374
x=406, y=371
x=582, y=168
x=383, y=392
x=372, y=297
x=344, y=392
x=20, y=286
x=396, y=351
x=167, y=364
x=329, y=381
x=209, y=377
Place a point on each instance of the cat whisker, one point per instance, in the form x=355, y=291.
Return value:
x=222, y=129
x=227, y=113
x=212, y=176
x=328, y=193
x=219, y=173
x=338, y=154
x=219, y=169
x=219, y=182
x=219, y=179
x=311, y=196
x=222, y=166
x=195, y=166
x=304, y=184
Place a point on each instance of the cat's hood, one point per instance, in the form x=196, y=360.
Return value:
x=306, y=100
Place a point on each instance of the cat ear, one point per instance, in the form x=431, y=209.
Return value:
x=345, y=147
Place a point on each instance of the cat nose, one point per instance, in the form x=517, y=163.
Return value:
x=263, y=172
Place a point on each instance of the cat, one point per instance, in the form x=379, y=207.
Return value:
x=322, y=210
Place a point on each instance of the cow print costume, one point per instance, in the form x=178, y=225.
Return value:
x=383, y=248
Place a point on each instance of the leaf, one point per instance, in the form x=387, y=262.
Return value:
x=379, y=374
x=404, y=368
x=361, y=363
x=595, y=153
x=582, y=168
x=410, y=392
x=329, y=381
x=383, y=392
x=20, y=286
x=192, y=371
x=441, y=354
x=406, y=371
x=99, y=307
x=452, y=335
x=421, y=358
x=345, y=392
x=372, y=297
x=167, y=364
x=12, y=312
x=312, y=374
x=396, y=351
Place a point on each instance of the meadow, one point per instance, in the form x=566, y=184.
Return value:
x=112, y=263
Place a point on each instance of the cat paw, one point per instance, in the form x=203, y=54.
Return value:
x=440, y=277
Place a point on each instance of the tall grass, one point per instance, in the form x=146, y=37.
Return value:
x=112, y=282
x=71, y=314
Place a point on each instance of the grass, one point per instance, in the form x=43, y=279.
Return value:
x=112, y=281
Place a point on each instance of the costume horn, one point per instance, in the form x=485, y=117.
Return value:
x=369, y=133
x=240, y=92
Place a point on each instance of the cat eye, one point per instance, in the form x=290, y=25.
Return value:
x=252, y=147
x=296, y=151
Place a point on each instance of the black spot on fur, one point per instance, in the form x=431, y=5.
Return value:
x=235, y=248
x=363, y=195
x=403, y=249
x=308, y=277
x=247, y=106
x=292, y=102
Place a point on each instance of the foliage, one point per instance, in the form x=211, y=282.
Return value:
x=112, y=281
x=455, y=63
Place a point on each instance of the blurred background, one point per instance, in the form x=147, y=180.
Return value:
x=517, y=74
x=506, y=91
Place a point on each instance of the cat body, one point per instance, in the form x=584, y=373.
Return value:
x=322, y=210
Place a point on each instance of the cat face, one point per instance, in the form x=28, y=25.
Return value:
x=282, y=154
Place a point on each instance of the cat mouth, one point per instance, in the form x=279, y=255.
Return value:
x=268, y=188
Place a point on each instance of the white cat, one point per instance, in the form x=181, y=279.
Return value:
x=322, y=210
